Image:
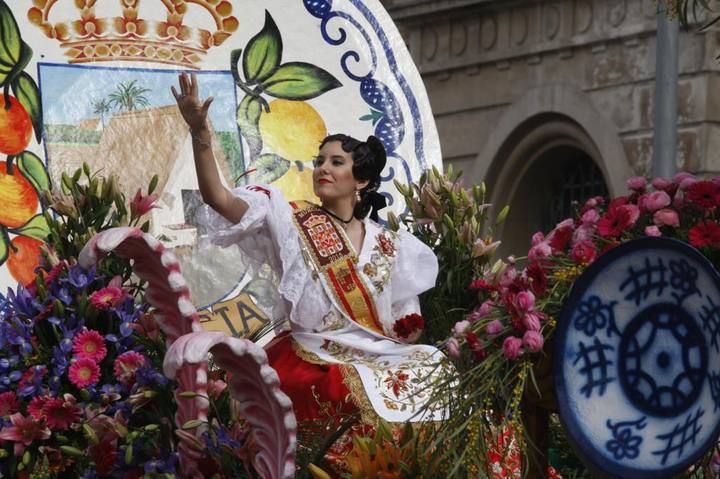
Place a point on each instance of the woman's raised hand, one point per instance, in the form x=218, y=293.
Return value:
x=193, y=111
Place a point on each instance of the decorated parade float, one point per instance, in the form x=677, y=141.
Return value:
x=131, y=347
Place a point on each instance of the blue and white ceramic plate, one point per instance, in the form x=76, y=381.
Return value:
x=637, y=359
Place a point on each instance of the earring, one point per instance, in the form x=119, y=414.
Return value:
x=357, y=196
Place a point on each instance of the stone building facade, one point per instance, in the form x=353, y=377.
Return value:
x=550, y=102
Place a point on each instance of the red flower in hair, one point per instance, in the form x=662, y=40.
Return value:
x=704, y=193
x=704, y=233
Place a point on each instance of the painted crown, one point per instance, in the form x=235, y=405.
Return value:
x=131, y=37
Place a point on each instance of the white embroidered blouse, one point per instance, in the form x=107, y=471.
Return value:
x=397, y=267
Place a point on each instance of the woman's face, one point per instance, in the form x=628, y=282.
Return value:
x=333, y=177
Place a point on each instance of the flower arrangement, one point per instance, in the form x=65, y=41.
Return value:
x=82, y=388
x=501, y=347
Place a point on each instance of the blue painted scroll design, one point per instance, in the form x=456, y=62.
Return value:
x=595, y=366
x=710, y=317
x=624, y=444
x=683, y=280
x=680, y=436
x=594, y=315
x=390, y=123
x=645, y=280
x=714, y=381
x=645, y=360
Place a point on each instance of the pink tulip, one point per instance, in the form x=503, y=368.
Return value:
x=666, y=217
x=652, y=231
x=637, y=183
x=461, y=326
x=531, y=321
x=453, y=348
x=533, y=341
x=494, y=327
x=524, y=301
x=590, y=217
x=539, y=252
x=512, y=347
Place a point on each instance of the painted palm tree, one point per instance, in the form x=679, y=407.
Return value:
x=102, y=107
x=129, y=96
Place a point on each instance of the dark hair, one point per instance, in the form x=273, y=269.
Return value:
x=369, y=160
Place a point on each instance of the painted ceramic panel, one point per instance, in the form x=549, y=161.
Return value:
x=637, y=359
x=94, y=78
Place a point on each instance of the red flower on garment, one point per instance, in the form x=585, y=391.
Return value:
x=704, y=193
x=397, y=381
x=407, y=325
x=704, y=233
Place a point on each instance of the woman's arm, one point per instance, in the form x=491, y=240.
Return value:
x=217, y=196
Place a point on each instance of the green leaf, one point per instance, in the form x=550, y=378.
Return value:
x=3, y=247
x=26, y=91
x=33, y=169
x=37, y=227
x=153, y=184
x=192, y=424
x=374, y=116
x=10, y=41
x=270, y=167
x=299, y=81
x=263, y=52
x=248, y=120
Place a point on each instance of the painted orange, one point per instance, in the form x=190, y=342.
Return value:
x=23, y=258
x=15, y=127
x=18, y=198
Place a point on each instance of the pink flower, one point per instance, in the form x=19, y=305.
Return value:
x=652, y=231
x=24, y=431
x=35, y=407
x=666, y=217
x=661, y=184
x=681, y=176
x=539, y=252
x=512, y=347
x=140, y=204
x=537, y=238
x=637, y=183
x=216, y=387
x=654, y=201
x=584, y=252
x=585, y=232
x=61, y=413
x=507, y=276
x=461, y=326
x=84, y=372
x=89, y=344
x=560, y=236
x=106, y=298
x=494, y=327
x=453, y=348
x=484, y=248
x=126, y=364
x=533, y=341
x=485, y=308
x=524, y=301
x=531, y=321
x=9, y=404
x=594, y=202
x=590, y=217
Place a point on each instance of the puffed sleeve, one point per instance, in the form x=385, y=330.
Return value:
x=415, y=271
x=253, y=234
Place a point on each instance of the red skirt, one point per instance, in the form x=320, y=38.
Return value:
x=310, y=386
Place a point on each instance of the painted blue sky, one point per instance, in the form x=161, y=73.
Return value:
x=68, y=91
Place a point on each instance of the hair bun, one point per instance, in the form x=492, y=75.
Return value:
x=378, y=150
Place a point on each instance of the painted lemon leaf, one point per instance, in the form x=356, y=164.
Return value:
x=299, y=81
x=10, y=41
x=33, y=169
x=3, y=247
x=234, y=59
x=37, y=227
x=270, y=167
x=263, y=52
x=27, y=93
x=248, y=119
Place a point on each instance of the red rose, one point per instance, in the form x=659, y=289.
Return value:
x=408, y=325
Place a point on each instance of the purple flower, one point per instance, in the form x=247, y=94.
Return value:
x=79, y=277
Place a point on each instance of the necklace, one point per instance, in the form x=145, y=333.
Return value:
x=344, y=222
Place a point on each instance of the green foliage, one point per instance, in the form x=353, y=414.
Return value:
x=453, y=222
x=71, y=134
x=230, y=144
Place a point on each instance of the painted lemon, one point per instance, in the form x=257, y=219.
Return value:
x=292, y=130
x=296, y=184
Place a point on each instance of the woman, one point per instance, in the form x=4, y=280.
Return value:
x=348, y=286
